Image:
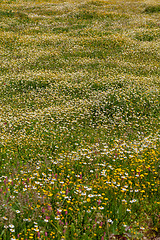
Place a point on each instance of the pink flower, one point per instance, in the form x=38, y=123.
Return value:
x=99, y=202
x=46, y=234
x=67, y=191
x=49, y=208
x=61, y=223
x=101, y=224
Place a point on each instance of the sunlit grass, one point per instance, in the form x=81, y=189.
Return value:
x=79, y=120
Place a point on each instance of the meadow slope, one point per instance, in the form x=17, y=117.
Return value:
x=79, y=119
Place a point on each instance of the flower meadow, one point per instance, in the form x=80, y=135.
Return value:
x=79, y=120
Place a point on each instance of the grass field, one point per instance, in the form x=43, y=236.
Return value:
x=79, y=120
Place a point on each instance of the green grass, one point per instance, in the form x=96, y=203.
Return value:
x=152, y=9
x=79, y=120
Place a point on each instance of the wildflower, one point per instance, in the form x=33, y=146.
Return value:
x=90, y=195
x=101, y=208
x=132, y=201
x=110, y=221
x=11, y=226
x=17, y=211
x=36, y=229
x=142, y=228
x=128, y=210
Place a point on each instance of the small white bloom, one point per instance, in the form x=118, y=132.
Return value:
x=93, y=208
x=83, y=194
x=90, y=195
x=17, y=211
x=36, y=229
x=110, y=221
x=142, y=228
x=5, y=218
x=101, y=208
x=11, y=226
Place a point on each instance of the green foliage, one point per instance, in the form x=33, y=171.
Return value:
x=152, y=9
